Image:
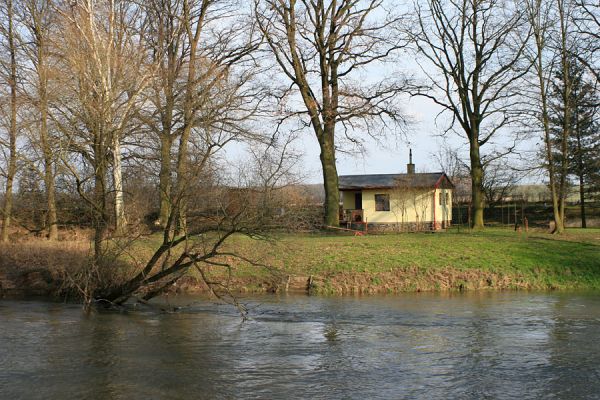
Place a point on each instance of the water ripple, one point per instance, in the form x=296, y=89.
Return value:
x=472, y=346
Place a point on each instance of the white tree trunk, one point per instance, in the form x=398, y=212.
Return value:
x=120, y=220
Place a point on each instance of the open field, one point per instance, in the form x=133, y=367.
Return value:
x=338, y=264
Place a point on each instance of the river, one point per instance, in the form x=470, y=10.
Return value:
x=416, y=346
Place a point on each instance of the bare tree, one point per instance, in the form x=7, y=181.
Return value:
x=449, y=161
x=500, y=181
x=9, y=75
x=38, y=19
x=204, y=97
x=167, y=48
x=543, y=56
x=564, y=47
x=274, y=169
x=587, y=21
x=319, y=46
x=244, y=206
x=104, y=75
x=473, y=58
x=421, y=200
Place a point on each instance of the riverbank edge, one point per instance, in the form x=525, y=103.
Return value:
x=51, y=283
x=334, y=265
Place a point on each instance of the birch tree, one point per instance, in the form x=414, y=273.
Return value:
x=104, y=75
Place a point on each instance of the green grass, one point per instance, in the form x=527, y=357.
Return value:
x=492, y=259
x=511, y=259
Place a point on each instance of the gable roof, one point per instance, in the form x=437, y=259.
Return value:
x=386, y=181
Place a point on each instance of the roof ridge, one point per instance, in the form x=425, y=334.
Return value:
x=400, y=173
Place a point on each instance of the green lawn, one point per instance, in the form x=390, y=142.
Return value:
x=493, y=258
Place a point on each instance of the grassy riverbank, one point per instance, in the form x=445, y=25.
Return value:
x=494, y=259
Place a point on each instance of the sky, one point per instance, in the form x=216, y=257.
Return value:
x=423, y=137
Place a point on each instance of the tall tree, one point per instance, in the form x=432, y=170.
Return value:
x=473, y=59
x=103, y=76
x=38, y=20
x=565, y=46
x=542, y=56
x=202, y=50
x=584, y=141
x=9, y=73
x=322, y=47
x=167, y=47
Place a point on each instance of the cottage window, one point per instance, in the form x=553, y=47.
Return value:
x=382, y=202
x=444, y=199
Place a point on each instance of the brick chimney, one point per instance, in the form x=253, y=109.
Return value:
x=410, y=167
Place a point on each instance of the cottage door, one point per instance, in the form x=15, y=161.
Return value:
x=358, y=201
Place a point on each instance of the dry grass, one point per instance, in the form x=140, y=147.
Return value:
x=43, y=254
x=33, y=265
x=40, y=267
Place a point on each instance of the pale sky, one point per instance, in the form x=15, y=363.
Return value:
x=423, y=137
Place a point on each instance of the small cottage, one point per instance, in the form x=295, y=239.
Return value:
x=410, y=201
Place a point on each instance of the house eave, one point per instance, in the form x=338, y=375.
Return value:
x=356, y=188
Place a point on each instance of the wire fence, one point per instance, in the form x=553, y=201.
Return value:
x=513, y=214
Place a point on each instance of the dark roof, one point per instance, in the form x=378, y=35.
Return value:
x=383, y=181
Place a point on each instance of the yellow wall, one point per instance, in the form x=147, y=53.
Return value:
x=406, y=206
x=444, y=211
x=348, y=200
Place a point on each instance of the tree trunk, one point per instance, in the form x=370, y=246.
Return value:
x=564, y=167
x=101, y=216
x=120, y=219
x=189, y=109
x=582, y=201
x=51, y=218
x=12, y=131
x=477, y=192
x=330, y=178
x=539, y=34
x=558, y=222
x=580, y=172
x=180, y=200
x=164, y=186
x=566, y=120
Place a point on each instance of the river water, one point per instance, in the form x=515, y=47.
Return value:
x=463, y=345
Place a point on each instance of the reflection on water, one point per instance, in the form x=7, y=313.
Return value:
x=473, y=346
